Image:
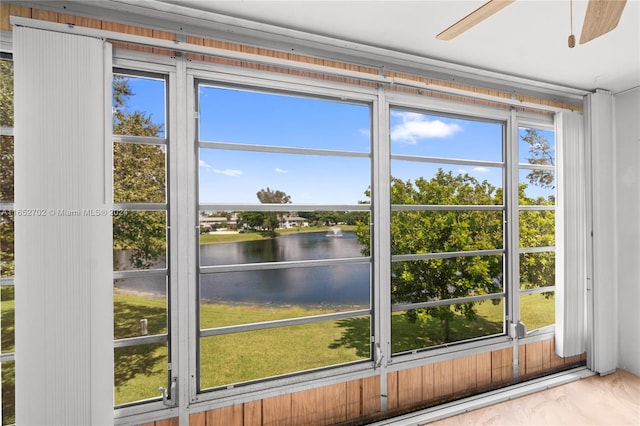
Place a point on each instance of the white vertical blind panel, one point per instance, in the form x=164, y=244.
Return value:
x=63, y=246
x=570, y=237
x=604, y=290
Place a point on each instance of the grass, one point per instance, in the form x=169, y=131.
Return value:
x=253, y=236
x=238, y=357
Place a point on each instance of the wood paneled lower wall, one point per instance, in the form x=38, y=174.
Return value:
x=358, y=402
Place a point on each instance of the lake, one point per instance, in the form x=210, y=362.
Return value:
x=342, y=284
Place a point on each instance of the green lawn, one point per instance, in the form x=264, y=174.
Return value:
x=140, y=370
x=252, y=236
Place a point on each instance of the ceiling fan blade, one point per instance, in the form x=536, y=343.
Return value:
x=602, y=16
x=474, y=18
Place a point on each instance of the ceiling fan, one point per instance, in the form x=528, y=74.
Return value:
x=602, y=16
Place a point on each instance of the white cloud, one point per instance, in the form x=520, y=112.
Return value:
x=279, y=170
x=205, y=165
x=480, y=170
x=416, y=126
x=228, y=172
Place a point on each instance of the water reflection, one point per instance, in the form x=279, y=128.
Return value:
x=343, y=284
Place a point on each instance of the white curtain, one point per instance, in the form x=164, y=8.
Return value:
x=63, y=244
x=571, y=235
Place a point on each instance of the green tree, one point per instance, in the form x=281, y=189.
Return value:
x=7, y=239
x=542, y=154
x=421, y=231
x=6, y=168
x=270, y=220
x=138, y=176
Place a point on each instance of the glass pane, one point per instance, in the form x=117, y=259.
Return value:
x=228, y=176
x=6, y=94
x=538, y=310
x=537, y=228
x=244, y=237
x=255, y=118
x=438, y=279
x=537, y=146
x=537, y=270
x=422, y=328
x=252, y=355
x=138, y=106
x=139, y=306
x=139, y=372
x=8, y=392
x=7, y=229
x=6, y=168
x=333, y=288
x=419, y=232
x=8, y=318
x=537, y=187
x=139, y=173
x=427, y=183
x=139, y=240
x=445, y=137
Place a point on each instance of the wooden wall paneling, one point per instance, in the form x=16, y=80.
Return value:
x=443, y=378
x=7, y=10
x=198, y=419
x=483, y=370
x=174, y=421
x=276, y=411
x=501, y=366
x=370, y=395
x=522, y=360
x=464, y=374
x=225, y=416
x=163, y=35
x=354, y=403
x=199, y=41
x=574, y=359
x=392, y=390
x=546, y=355
x=252, y=51
x=222, y=45
x=533, y=358
x=556, y=361
x=129, y=29
x=334, y=399
x=252, y=412
x=44, y=15
x=410, y=387
x=306, y=408
x=79, y=21
x=427, y=382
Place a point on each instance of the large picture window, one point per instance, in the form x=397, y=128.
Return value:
x=285, y=280
x=447, y=229
x=537, y=201
x=140, y=238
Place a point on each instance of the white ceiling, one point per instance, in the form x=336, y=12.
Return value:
x=527, y=39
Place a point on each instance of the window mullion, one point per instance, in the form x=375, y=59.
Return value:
x=512, y=237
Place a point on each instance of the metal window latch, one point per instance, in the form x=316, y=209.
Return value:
x=170, y=399
x=518, y=330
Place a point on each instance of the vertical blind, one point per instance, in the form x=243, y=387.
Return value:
x=64, y=320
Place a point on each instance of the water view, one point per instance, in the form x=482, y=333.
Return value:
x=342, y=284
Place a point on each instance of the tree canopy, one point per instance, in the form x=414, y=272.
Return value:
x=138, y=176
x=268, y=222
x=467, y=230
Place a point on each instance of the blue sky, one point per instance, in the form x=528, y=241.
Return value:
x=229, y=115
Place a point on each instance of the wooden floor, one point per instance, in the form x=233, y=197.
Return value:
x=597, y=400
